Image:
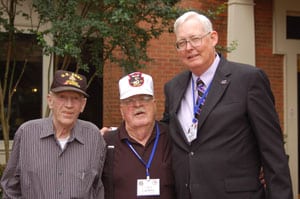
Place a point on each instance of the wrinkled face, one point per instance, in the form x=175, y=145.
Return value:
x=196, y=47
x=138, y=110
x=66, y=107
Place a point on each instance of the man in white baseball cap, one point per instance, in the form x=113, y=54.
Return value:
x=138, y=161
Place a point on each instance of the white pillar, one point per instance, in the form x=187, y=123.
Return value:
x=241, y=30
x=47, y=77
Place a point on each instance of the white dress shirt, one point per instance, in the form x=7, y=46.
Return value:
x=186, y=110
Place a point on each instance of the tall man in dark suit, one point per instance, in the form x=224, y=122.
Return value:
x=223, y=137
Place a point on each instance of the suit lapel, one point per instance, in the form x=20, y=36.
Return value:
x=180, y=87
x=219, y=85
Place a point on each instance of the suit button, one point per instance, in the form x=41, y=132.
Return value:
x=191, y=153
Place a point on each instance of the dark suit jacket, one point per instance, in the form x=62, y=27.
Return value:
x=238, y=132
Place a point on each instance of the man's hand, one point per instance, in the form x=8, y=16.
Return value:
x=105, y=129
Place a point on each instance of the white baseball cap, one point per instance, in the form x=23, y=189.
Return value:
x=135, y=83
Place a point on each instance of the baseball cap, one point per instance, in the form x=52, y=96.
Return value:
x=135, y=83
x=69, y=81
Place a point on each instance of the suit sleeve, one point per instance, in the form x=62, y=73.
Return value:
x=265, y=123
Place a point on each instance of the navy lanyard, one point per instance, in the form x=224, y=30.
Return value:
x=148, y=164
x=196, y=106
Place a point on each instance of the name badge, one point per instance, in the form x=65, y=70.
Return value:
x=192, y=131
x=148, y=187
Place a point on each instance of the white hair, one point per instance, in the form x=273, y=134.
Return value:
x=207, y=25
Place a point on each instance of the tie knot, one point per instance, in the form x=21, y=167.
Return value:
x=200, y=87
x=199, y=82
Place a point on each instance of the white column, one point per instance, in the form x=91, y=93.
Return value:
x=241, y=30
x=47, y=77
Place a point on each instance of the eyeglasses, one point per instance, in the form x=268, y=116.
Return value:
x=142, y=100
x=194, y=41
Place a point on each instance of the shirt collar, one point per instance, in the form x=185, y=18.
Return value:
x=48, y=130
x=124, y=135
x=208, y=75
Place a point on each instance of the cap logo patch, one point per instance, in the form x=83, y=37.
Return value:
x=136, y=79
x=72, y=80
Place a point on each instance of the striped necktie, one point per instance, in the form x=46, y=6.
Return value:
x=201, y=90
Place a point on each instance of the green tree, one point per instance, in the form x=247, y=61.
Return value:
x=126, y=25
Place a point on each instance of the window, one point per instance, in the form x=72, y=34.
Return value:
x=26, y=103
x=293, y=26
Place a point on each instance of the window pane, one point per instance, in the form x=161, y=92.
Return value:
x=293, y=27
x=27, y=98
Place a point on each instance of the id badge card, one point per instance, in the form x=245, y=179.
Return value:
x=148, y=187
x=192, y=131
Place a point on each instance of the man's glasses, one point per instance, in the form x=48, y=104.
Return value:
x=141, y=99
x=194, y=41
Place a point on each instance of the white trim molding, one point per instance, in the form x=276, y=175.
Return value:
x=290, y=48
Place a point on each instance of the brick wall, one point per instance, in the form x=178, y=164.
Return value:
x=265, y=59
x=166, y=64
